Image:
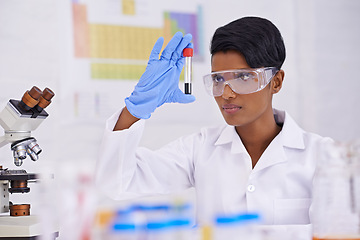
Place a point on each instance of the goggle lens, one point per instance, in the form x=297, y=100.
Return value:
x=243, y=81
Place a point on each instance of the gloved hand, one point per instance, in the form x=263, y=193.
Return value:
x=160, y=82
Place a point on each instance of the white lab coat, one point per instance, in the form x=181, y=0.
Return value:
x=216, y=163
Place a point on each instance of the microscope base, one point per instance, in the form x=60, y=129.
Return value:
x=21, y=228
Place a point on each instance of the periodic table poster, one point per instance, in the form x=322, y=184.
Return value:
x=111, y=43
x=105, y=33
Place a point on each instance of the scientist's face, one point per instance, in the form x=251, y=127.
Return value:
x=240, y=109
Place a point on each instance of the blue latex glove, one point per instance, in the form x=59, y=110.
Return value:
x=160, y=82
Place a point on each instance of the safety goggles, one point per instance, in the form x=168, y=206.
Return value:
x=241, y=81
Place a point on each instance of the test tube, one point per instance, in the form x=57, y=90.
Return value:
x=188, y=54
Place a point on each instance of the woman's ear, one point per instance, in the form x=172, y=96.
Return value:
x=277, y=81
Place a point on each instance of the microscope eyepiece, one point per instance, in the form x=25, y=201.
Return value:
x=36, y=98
x=31, y=98
x=48, y=94
x=45, y=99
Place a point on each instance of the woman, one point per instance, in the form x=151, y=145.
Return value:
x=260, y=161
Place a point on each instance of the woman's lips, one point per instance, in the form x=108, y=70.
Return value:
x=231, y=108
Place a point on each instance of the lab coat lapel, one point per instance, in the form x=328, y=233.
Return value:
x=229, y=135
x=291, y=137
x=273, y=154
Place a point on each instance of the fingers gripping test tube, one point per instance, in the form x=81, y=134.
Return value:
x=188, y=54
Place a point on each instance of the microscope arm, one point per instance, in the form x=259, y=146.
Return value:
x=13, y=136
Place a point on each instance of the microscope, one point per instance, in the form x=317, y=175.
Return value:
x=18, y=119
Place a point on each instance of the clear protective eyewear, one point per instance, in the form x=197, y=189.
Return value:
x=241, y=81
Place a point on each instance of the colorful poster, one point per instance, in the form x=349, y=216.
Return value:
x=119, y=51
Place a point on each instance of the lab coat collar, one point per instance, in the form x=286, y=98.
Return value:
x=291, y=134
x=229, y=135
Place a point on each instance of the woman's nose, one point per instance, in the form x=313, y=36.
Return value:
x=228, y=92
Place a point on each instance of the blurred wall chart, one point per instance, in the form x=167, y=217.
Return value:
x=115, y=46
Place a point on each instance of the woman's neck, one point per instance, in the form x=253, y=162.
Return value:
x=257, y=135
